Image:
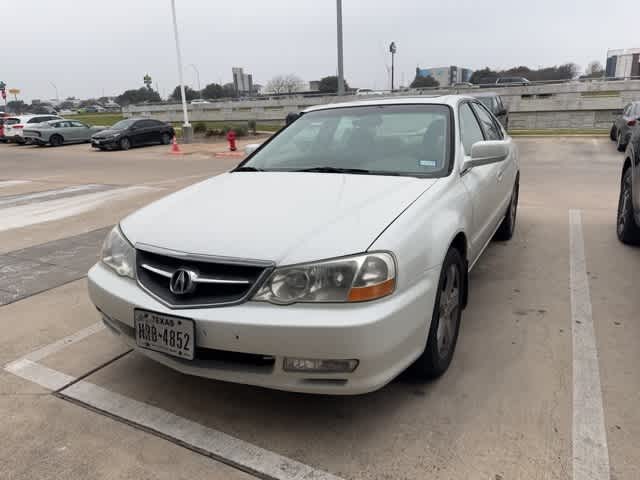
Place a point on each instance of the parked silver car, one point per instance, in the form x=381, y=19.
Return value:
x=59, y=132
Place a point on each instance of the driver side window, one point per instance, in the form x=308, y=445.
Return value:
x=470, y=130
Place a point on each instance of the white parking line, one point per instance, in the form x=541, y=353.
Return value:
x=590, y=451
x=208, y=441
x=11, y=183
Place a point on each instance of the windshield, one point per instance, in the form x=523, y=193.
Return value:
x=123, y=124
x=387, y=140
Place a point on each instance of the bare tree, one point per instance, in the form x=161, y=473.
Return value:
x=594, y=69
x=284, y=84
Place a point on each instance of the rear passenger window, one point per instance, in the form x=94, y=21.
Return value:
x=470, y=131
x=490, y=127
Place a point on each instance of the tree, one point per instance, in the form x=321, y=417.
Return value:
x=17, y=106
x=142, y=94
x=189, y=93
x=330, y=84
x=284, y=84
x=213, y=90
x=593, y=70
x=423, y=82
x=484, y=75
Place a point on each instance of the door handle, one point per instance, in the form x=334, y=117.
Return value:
x=500, y=174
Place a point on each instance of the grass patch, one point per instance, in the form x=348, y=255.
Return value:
x=106, y=119
x=600, y=93
x=560, y=131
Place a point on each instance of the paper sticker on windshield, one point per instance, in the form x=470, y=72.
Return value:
x=427, y=163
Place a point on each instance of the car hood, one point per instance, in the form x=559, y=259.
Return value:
x=108, y=132
x=284, y=217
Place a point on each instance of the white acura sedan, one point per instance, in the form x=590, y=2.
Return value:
x=330, y=260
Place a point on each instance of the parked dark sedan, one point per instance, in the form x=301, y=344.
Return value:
x=133, y=132
x=493, y=102
x=625, y=124
x=628, y=224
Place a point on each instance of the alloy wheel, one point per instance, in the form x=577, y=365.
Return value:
x=449, y=311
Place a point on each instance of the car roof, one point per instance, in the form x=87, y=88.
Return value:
x=451, y=100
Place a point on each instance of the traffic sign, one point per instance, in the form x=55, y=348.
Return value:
x=14, y=91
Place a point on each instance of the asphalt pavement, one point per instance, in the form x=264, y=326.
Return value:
x=544, y=383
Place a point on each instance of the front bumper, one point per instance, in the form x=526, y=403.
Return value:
x=104, y=143
x=386, y=336
x=19, y=139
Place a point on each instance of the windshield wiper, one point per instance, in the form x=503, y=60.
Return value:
x=247, y=169
x=336, y=170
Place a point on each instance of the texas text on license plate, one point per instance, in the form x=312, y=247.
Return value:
x=165, y=333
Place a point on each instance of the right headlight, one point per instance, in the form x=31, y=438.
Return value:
x=349, y=279
x=119, y=254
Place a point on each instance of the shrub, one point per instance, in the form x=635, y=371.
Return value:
x=200, y=127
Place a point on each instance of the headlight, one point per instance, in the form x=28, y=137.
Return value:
x=118, y=254
x=350, y=279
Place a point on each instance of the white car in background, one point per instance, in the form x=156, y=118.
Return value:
x=14, y=126
x=329, y=261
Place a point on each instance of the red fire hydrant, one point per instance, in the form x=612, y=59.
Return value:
x=231, y=138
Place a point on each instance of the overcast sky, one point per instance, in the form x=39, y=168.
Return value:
x=87, y=47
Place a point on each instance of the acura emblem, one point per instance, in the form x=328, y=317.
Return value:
x=181, y=282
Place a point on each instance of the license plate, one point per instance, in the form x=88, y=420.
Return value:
x=165, y=333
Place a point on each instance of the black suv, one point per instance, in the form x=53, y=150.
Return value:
x=624, y=126
x=133, y=132
x=628, y=224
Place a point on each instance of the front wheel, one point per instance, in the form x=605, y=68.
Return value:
x=445, y=319
x=508, y=225
x=125, y=143
x=56, y=140
x=628, y=231
x=612, y=133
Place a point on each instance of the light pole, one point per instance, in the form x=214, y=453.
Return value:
x=340, y=65
x=56, y=88
x=392, y=49
x=198, y=77
x=186, y=127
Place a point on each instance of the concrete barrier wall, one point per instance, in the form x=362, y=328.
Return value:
x=573, y=105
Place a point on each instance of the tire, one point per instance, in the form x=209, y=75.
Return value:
x=612, y=133
x=125, y=143
x=627, y=229
x=620, y=143
x=443, y=333
x=508, y=225
x=165, y=139
x=56, y=140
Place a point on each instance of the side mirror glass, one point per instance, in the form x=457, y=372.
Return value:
x=252, y=147
x=485, y=153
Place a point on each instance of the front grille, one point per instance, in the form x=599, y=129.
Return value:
x=224, y=282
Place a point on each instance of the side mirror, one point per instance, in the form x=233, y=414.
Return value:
x=252, y=147
x=485, y=153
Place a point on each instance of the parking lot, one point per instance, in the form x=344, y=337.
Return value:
x=81, y=405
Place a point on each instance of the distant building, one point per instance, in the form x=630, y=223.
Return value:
x=623, y=63
x=314, y=85
x=446, y=76
x=243, y=82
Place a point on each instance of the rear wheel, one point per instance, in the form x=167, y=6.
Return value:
x=56, y=140
x=508, y=225
x=621, y=143
x=165, y=139
x=628, y=231
x=445, y=320
x=125, y=143
x=612, y=133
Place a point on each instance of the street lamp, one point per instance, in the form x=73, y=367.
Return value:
x=198, y=77
x=56, y=88
x=186, y=127
x=392, y=49
x=340, y=65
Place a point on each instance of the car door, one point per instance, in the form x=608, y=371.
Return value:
x=480, y=182
x=137, y=133
x=79, y=131
x=621, y=121
x=506, y=170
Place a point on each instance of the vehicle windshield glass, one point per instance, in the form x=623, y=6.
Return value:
x=123, y=124
x=410, y=140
